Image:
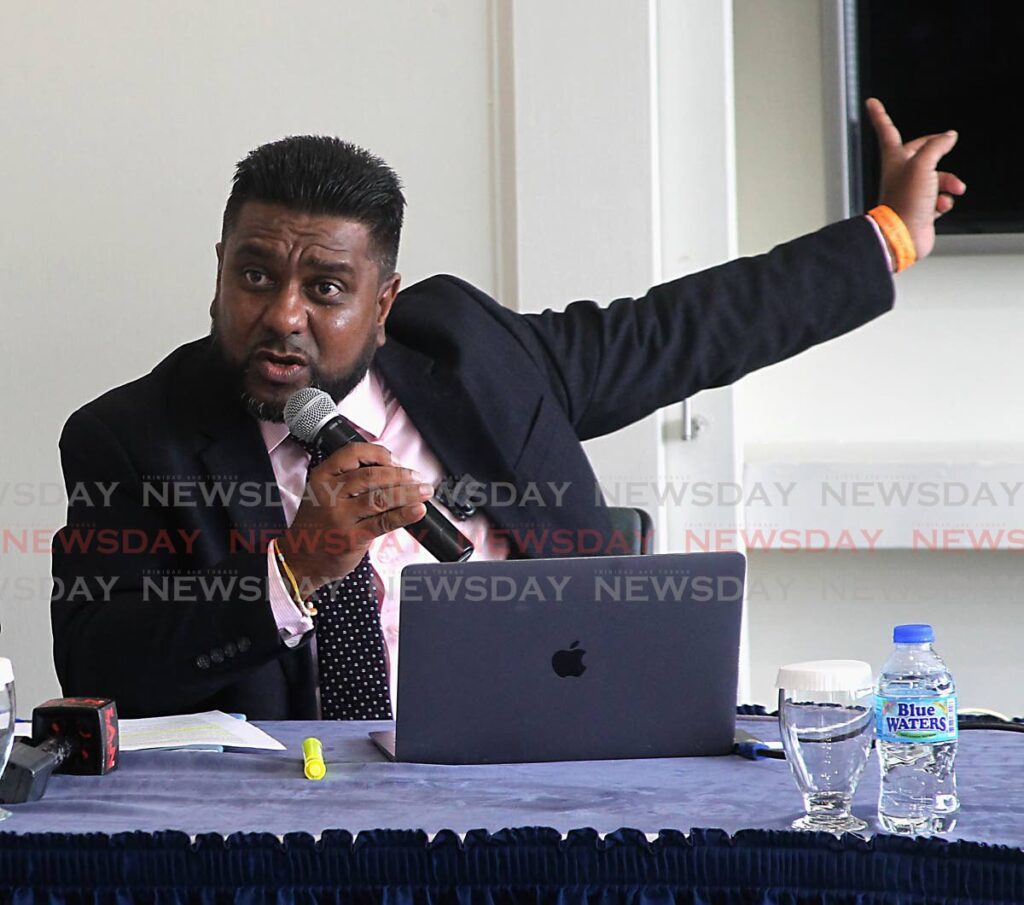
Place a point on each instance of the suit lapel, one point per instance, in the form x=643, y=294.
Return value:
x=438, y=403
x=452, y=422
x=230, y=445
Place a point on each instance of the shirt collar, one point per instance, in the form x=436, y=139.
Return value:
x=364, y=407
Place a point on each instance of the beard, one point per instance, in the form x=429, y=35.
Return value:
x=337, y=386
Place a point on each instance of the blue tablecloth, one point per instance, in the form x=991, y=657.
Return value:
x=418, y=833
x=265, y=791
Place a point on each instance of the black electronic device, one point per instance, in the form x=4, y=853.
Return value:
x=69, y=735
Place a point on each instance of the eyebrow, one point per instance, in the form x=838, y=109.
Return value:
x=329, y=266
x=262, y=253
x=255, y=250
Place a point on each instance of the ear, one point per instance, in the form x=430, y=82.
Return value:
x=219, y=248
x=385, y=299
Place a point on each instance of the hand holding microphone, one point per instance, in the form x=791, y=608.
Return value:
x=356, y=494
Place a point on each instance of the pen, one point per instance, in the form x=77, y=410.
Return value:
x=313, y=759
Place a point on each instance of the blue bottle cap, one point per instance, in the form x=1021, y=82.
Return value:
x=913, y=634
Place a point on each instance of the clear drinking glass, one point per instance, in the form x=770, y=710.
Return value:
x=826, y=718
x=7, y=715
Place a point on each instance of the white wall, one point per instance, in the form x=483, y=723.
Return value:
x=933, y=381
x=122, y=122
x=809, y=606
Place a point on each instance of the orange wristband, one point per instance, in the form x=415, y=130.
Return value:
x=896, y=235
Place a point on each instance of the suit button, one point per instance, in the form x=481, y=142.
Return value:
x=229, y=649
x=217, y=655
x=203, y=661
x=243, y=644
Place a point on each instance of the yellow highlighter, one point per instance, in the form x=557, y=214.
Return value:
x=313, y=759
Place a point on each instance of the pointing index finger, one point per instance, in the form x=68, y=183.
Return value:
x=888, y=135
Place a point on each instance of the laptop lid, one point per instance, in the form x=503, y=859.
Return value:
x=569, y=659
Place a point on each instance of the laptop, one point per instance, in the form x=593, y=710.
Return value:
x=584, y=658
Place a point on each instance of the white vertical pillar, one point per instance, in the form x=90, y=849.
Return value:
x=698, y=230
x=585, y=184
x=619, y=120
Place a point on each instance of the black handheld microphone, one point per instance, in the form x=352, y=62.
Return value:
x=312, y=416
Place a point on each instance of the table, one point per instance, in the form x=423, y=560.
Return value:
x=203, y=821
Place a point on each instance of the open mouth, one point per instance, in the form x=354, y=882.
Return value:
x=279, y=367
x=281, y=358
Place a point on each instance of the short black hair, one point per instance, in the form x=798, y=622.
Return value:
x=317, y=174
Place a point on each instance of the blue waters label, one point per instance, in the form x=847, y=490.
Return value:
x=922, y=721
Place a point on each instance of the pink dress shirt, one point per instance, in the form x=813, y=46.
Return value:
x=377, y=415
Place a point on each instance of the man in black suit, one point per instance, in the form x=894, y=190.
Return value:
x=166, y=572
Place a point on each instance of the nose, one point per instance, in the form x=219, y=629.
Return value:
x=285, y=311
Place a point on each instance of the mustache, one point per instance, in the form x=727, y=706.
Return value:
x=285, y=355
x=278, y=345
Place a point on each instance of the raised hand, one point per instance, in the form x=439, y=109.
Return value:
x=911, y=184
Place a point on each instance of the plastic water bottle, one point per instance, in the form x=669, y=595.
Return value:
x=916, y=735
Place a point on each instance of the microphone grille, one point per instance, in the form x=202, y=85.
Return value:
x=306, y=411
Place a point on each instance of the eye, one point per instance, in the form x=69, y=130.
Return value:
x=327, y=289
x=254, y=277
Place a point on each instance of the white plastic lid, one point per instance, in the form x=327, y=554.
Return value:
x=6, y=671
x=826, y=675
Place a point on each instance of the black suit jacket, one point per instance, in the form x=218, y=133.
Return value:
x=499, y=395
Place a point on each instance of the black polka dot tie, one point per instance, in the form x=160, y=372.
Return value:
x=350, y=645
x=350, y=648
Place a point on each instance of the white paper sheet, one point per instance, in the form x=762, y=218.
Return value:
x=208, y=729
